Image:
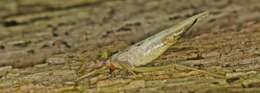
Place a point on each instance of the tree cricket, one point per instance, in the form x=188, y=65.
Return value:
x=149, y=49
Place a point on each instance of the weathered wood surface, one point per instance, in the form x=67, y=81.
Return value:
x=46, y=44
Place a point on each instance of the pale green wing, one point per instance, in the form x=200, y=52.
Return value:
x=149, y=49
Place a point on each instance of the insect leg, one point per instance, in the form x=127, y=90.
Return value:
x=167, y=67
x=95, y=72
x=127, y=67
x=201, y=71
x=150, y=69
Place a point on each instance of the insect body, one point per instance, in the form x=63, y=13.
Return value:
x=149, y=49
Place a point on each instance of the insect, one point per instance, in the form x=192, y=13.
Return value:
x=147, y=50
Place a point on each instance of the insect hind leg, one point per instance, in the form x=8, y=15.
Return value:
x=128, y=68
x=150, y=69
x=175, y=66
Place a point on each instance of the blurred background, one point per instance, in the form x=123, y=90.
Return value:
x=46, y=44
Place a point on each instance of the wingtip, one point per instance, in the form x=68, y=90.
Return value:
x=188, y=23
x=201, y=15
